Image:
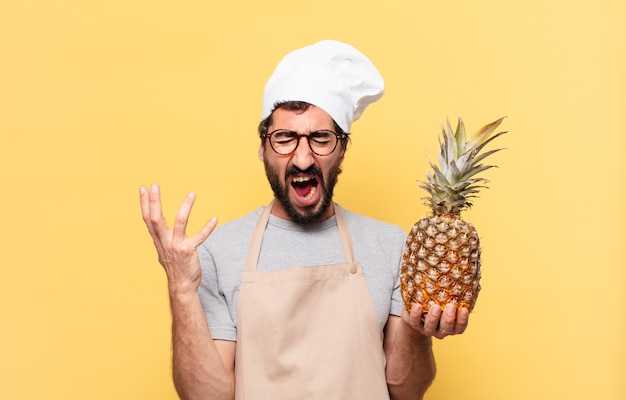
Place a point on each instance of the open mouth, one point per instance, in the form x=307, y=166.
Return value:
x=305, y=186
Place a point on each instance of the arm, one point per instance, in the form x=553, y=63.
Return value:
x=203, y=368
x=408, y=348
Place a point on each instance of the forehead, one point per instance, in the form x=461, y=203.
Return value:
x=312, y=119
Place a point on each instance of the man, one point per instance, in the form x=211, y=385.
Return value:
x=299, y=299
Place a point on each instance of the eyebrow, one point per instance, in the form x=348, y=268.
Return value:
x=297, y=133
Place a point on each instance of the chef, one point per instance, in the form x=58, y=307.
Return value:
x=298, y=299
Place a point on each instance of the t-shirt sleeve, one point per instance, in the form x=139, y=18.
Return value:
x=213, y=301
x=396, y=296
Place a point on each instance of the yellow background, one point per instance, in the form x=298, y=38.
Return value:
x=98, y=97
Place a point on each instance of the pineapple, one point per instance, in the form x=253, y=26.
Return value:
x=441, y=258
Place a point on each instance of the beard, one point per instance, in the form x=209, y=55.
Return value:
x=281, y=191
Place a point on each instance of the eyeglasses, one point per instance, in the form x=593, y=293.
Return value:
x=321, y=142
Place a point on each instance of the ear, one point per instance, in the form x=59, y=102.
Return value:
x=342, y=155
x=262, y=152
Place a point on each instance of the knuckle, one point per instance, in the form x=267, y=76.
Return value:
x=180, y=219
x=147, y=220
x=449, y=320
x=184, y=248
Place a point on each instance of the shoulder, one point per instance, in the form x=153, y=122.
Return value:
x=248, y=220
x=363, y=225
x=233, y=232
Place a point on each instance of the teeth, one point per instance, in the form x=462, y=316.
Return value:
x=300, y=179
x=311, y=193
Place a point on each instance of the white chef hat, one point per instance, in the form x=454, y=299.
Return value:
x=329, y=74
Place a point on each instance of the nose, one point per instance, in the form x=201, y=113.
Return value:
x=303, y=156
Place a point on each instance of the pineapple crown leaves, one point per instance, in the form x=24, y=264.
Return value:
x=453, y=183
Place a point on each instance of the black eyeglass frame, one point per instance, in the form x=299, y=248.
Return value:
x=339, y=136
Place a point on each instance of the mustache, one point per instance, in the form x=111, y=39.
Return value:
x=313, y=170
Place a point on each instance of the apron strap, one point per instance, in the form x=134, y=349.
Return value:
x=344, y=234
x=257, y=237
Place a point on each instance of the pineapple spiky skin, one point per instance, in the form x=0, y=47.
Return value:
x=441, y=263
x=442, y=255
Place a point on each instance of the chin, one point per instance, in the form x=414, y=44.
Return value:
x=311, y=214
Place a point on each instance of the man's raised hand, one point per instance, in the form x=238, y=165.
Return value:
x=176, y=251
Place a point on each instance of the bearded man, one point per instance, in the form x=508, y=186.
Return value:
x=298, y=299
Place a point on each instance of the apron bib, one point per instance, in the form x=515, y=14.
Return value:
x=307, y=332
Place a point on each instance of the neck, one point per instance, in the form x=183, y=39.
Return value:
x=279, y=211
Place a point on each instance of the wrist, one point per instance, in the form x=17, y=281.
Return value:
x=182, y=294
x=415, y=336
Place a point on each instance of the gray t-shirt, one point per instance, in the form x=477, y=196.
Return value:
x=377, y=246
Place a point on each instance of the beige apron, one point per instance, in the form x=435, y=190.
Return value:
x=307, y=332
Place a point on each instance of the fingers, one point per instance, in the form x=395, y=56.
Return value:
x=414, y=317
x=205, y=231
x=448, y=320
x=144, y=200
x=439, y=323
x=431, y=321
x=462, y=320
x=180, y=223
x=182, y=219
x=152, y=214
x=155, y=210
